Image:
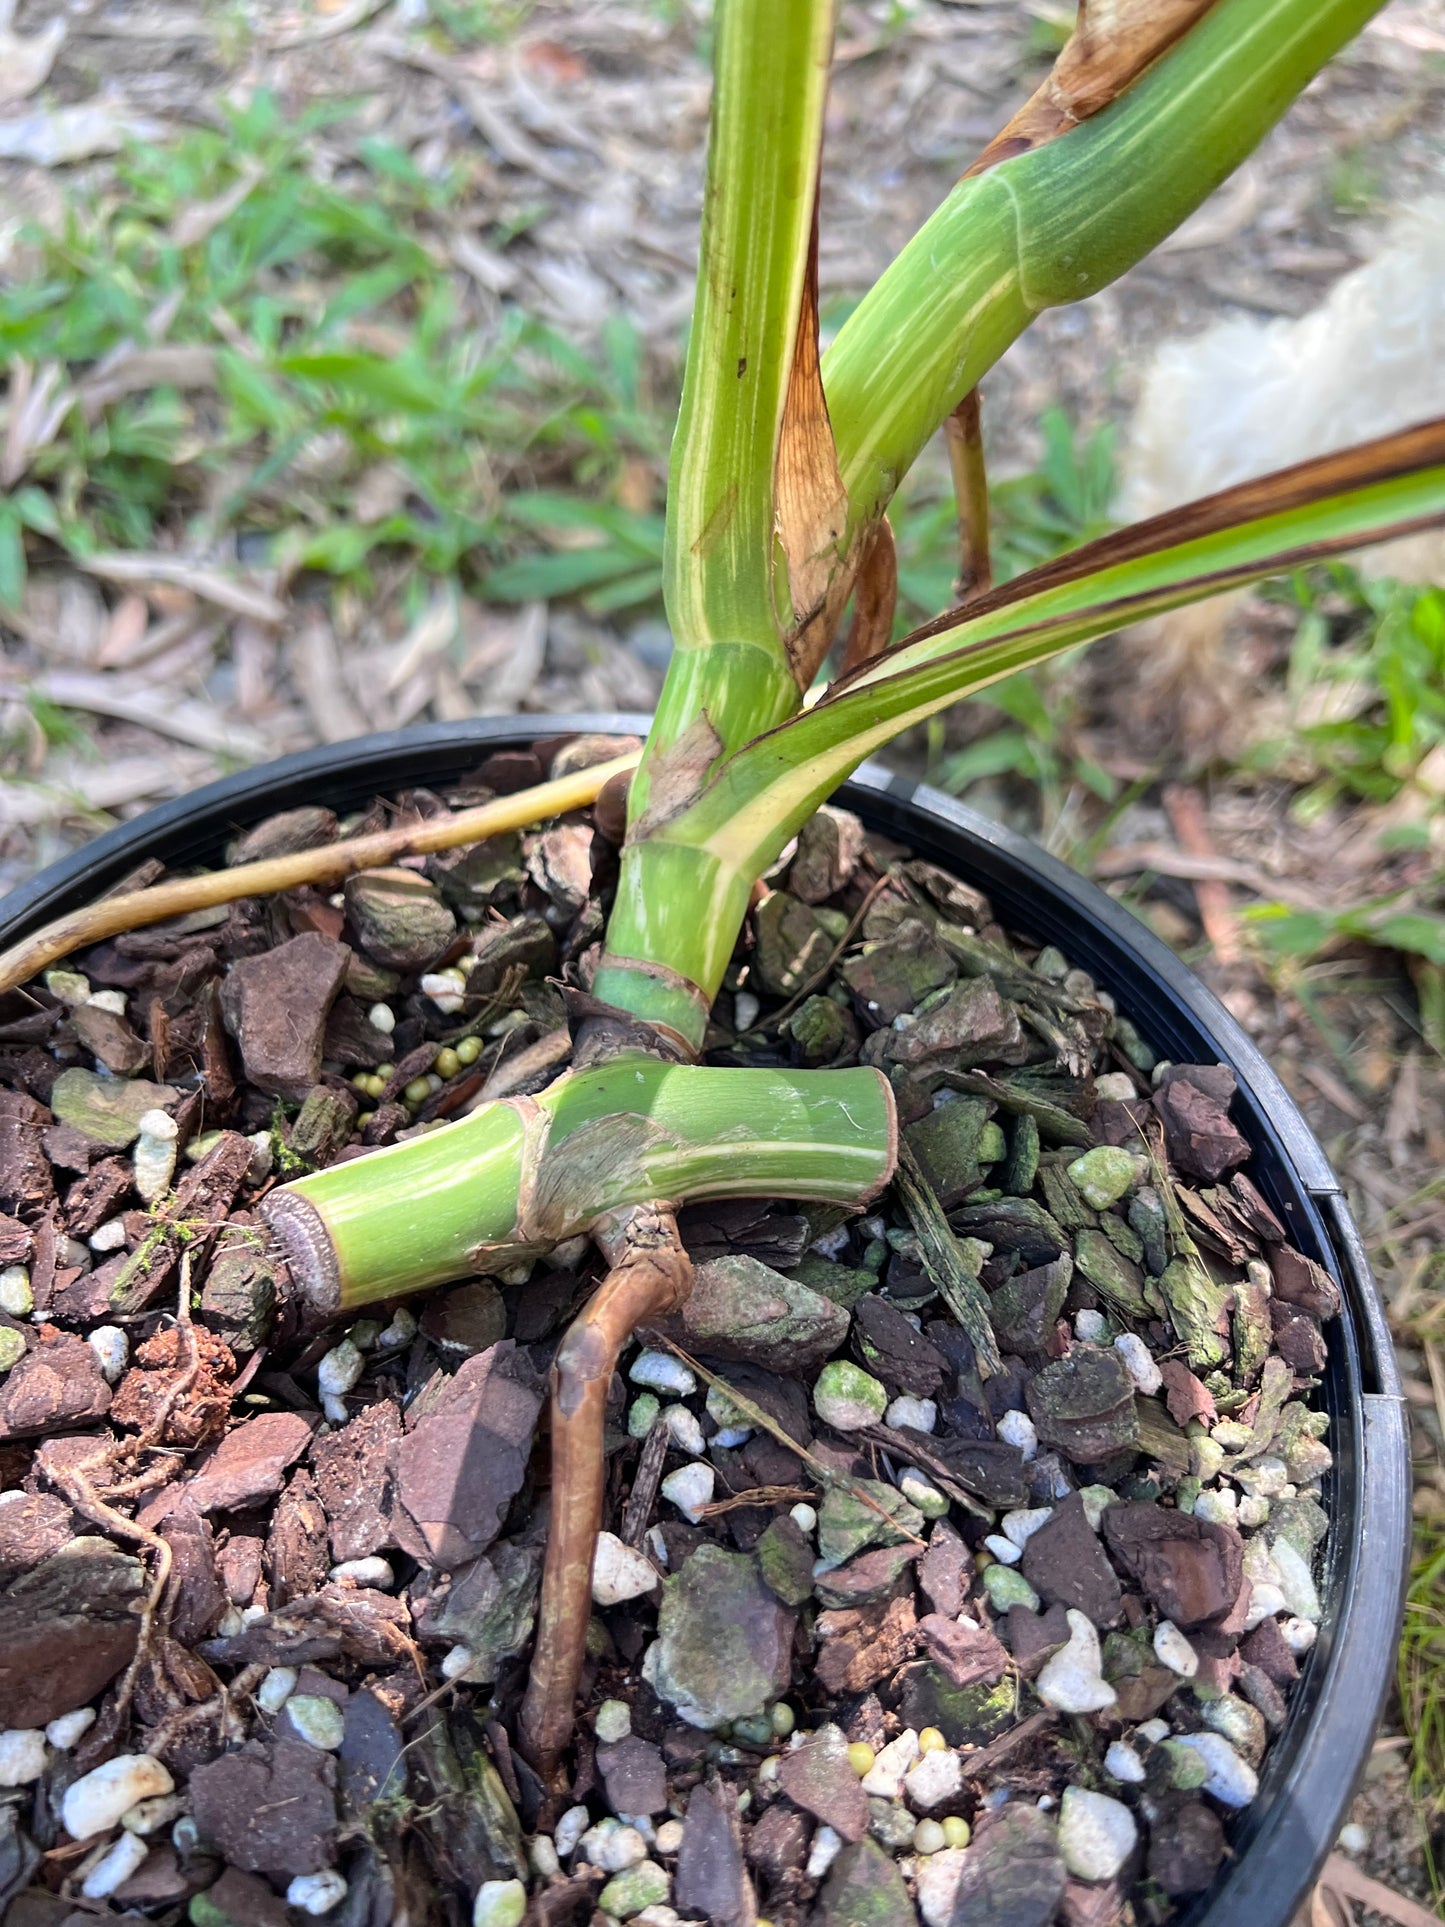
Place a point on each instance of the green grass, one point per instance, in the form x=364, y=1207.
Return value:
x=1421, y=1678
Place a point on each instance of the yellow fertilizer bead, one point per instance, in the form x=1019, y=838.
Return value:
x=861, y=1757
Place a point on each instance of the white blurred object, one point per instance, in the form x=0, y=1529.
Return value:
x=1248, y=396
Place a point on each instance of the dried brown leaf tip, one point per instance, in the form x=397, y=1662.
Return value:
x=1112, y=43
x=812, y=503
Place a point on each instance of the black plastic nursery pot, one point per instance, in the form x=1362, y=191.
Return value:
x=1309, y=1777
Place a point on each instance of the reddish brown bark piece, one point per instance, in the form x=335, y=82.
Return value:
x=26, y=1185
x=1193, y=1104
x=818, y=1776
x=16, y=1243
x=1185, y=1396
x=1065, y=1563
x=711, y=1880
x=270, y=1810
x=202, y=1202
x=32, y=1526
x=239, y=1564
x=276, y=1005
x=970, y=1656
x=862, y=1645
x=96, y=1196
x=462, y=1460
x=1185, y=1848
x=946, y=1571
x=66, y=1630
x=1300, y=1281
x=55, y=1387
x=249, y=1463
x=110, y=1038
x=1265, y=1648
x=199, y=1598
x=296, y=1553
x=241, y=1900
x=354, y=1483
x=1191, y=1569
x=1035, y=1637
x=634, y=1775
x=1298, y=1339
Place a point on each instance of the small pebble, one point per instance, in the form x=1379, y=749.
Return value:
x=149, y=1816
x=1154, y=1731
x=642, y=1414
x=919, y=1490
x=621, y=1572
x=317, y=1893
x=447, y=992
x=1220, y=1508
x=109, y=1236
x=317, y=1720
x=1173, y=1650
x=1353, y=1838
x=12, y=1347
x=1017, y=1429
x=613, y=1722
x=1097, y=1834
x=382, y=1017
x=690, y=1488
x=824, y=1851
x=938, y=1877
x=570, y=1829
x=335, y=1376
x=684, y=1429
x=848, y=1398
x=936, y=1780
x=458, y=1663
x=22, y=1755
x=929, y=1837
x=1073, y=1681
x=1296, y=1581
x=1006, y=1587
x=745, y=1010
x=1139, y=1363
x=154, y=1161
x=68, y=987
x=401, y=1331
x=112, y=1350
x=499, y=1903
x=114, y=1868
x=662, y=1373
x=1121, y=1762
x=1253, y=1512
x=1228, y=1779
x=1265, y=1602
x=114, y=1001
x=70, y=1727
x=373, y=1571
x=1115, y=1086
x=1090, y=1326
x=669, y=1836
x=804, y=1517
x=1103, y=1175
x=1299, y=1635
x=919, y=1414
x=94, y=1803
x=628, y=1894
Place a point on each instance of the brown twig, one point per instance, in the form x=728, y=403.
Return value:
x=964, y=433
x=329, y=865
x=1216, y=910
x=650, y=1276
x=643, y=1496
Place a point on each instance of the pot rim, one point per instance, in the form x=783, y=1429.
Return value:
x=1314, y=1763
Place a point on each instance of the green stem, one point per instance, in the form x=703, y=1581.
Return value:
x=521, y=1175
x=1058, y=224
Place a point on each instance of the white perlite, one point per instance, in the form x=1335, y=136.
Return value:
x=690, y=1489
x=1073, y=1680
x=684, y=1430
x=570, y=1829
x=938, y=1877
x=1096, y=1834
x=94, y=1803
x=611, y=1846
x=22, y=1755
x=884, y=1779
x=936, y=1779
x=1004, y=1550
x=1299, y=1635
x=154, y=1158
x=1090, y=1326
x=1296, y=1582
x=1173, y=1650
x=1230, y=1780
x=317, y=1893
x=317, y=1720
x=1020, y=1526
x=827, y=1845
x=372, y=1571
x=1121, y=1762
x=918, y=1414
x=335, y=1376
x=70, y=1727
x=16, y=1297
x=1017, y=1429
x=662, y=1373
x=112, y=1350
x=1139, y=1362
x=620, y=1572
x=277, y=1687
x=114, y=1867
x=804, y=1517
x=499, y=1903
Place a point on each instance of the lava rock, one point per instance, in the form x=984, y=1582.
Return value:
x=1193, y=1102
x=249, y=1463
x=633, y=1772
x=968, y=1655
x=1013, y=1872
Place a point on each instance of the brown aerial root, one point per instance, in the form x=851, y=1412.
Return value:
x=325, y=867
x=651, y=1276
